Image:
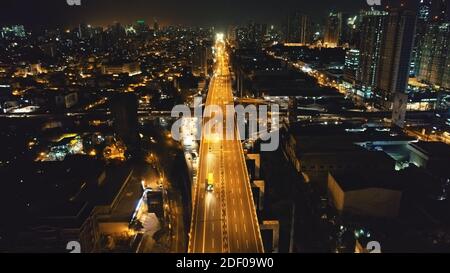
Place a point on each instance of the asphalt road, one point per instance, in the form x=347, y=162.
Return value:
x=224, y=220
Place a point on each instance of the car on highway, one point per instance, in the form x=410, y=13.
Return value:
x=210, y=183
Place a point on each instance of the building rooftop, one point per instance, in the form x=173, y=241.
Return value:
x=55, y=193
x=433, y=149
x=357, y=180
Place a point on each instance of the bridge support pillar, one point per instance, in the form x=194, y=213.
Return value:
x=274, y=226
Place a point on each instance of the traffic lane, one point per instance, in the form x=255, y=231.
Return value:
x=241, y=215
x=198, y=225
x=198, y=230
x=212, y=225
x=245, y=238
x=234, y=209
x=244, y=184
x=248, y=200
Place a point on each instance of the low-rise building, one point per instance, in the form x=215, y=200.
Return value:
x=130, y=68
x=316, y=150
x=375, y=194
x=433, y=156
x=63, y=202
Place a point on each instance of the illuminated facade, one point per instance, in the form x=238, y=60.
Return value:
x=132, y=68
x=352, y=59
x=298, y=29
x=423, y=18
x=370, y=48
x=13, y=31
x=395, y=56
x=435, y=56
x=333, y=30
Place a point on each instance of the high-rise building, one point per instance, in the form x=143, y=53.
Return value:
x=333, y=29
x=124, y=108
x=351, y=67
x=298, y=29
x=337, y=29
x=117, y=31
x=395, y=55
x=423, y=19
x=231, y=34
x=371, y=37
x=84, y=31
x=141, y=27
x=354, y=31
x=305, y=30
x=201, y=58
x=155, y=25
x=16, y=31
x=345, y=31
x=256, y=32
x=241, y=36
x=424, y=11
x=442, y=12
x=435, y=56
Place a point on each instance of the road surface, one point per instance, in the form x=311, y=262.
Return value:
x=224, y=220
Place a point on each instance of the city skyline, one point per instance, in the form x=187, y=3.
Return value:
x=199, y=12
x=225, y=127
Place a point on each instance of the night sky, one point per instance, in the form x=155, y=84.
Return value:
x=39, y=13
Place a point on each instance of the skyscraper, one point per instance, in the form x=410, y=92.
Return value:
x=345, y=31
x=370, y=46
x=305, y=30
x=424, y=12
x=256, y=32
x=141, y=27
x=231, y=34
x=84, y=31
x=298, y=29
x=155, y=25
x=12, y=32
x=124, y=108
x=435, y=56
x=333, y=29
x=200, y=58
x=351, y=67
x=423, y=19
x=443, y=10
x=395, y=55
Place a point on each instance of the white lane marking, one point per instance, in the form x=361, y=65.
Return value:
x=235, y=227
x=234, y=212
x=212, y=227
x=245, y=228
x=213, y=243
x=237, y=242
x=240, y=191
x=242, y=203
x=213, y=213
x=246, y=242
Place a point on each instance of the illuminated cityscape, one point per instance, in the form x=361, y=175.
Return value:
x=225, y=127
